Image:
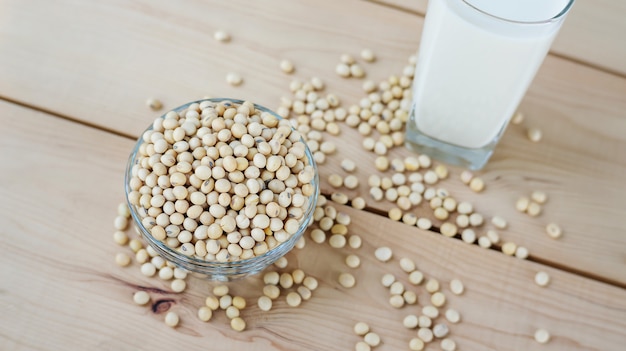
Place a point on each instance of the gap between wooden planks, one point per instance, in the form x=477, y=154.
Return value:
x=60, y=287
x=123, y=53
x=591, y=34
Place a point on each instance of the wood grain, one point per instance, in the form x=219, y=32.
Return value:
x=592, y=32
x=116, y=54
x=60, y=289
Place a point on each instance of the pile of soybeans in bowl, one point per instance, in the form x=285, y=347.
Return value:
x=221, y=187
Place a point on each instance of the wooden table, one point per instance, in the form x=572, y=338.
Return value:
x=74, y=78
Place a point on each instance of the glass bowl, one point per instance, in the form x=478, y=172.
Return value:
x=214, y=269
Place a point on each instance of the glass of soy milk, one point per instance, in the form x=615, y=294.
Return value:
x=476, y=60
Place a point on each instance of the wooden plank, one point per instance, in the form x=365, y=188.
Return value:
x=115, y=55
x=158, y=50
x=60, y=288
x=592, y=32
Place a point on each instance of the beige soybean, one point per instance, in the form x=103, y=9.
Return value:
x=234, y=79
x=468, y=236
x=542, y=278
x=141, y=298
x=122, y=259
x=347, y=280
x=466, y=177
x=298, y=276
x=477, y=184
x=517, y=118
x=358, y=203
x=281, y=262
x=452, y=316
x=534, y=209
x=238, y=324
x=120, y=223
x=395, y=214
x=220, y=290
x=424, y=223
x=120, y=237
x=396, y=288
x=387, y=279
x=287, y=66
x=221, y=35
x=509, y=248
x=166, y=273
x=339, y=198
x=410, y=321
x=212, y=302
x=554, y=230
x=286, y=280
x=353, y=261
x=416, y=277
x=335, y=180
x=410, y=298
x=521, y=252
x=271, y=278
x=539, y=197
x=448, y=229
x=148, y=269
x=542, y=336
x=407, y=264
x=172, y=319
x=264, y=303
x=348, y=165
x=499, y=222
x=383, y=253
x=361, y=328
x=310, y=282
x=304, y=292
x=425, y=321
x=293, y=299
x=362, y=346
x=368, y=55
x=351, y=182
x=271, y=291
x=522, y=204
x=440, y=330
x=337, y=241
x=343, y=70
x=438, y=299
x=432, y=285
x=239, y=302
x=476, y=219
x=430, y=311
x=534, y=134
x=205, y=313
x=154, y=104
x=493, y=236
x=396, y=301
x=441, y=213
x=484, y=242
x=425, y=334
x=416, y=344
x=457, y=287
x=178, y=285
x=372, y=339
x=225, y=301
x=448, y=344
x=232, y=312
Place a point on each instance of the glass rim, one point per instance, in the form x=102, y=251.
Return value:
x=204, y=264
x=555, y=18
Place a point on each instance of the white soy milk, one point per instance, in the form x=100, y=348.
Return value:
x=473, y=69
